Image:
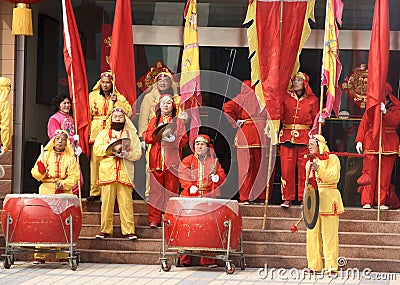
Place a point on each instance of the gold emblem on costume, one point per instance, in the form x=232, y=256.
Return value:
x=107, y=41
x=355, y=85
x=294, y=133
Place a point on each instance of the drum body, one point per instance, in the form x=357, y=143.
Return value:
x=200, y=223
x=41, y=219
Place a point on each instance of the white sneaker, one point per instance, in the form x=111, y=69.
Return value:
x=383, y=207
x=367, y=206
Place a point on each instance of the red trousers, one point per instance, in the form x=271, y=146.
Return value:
x=290, y=158
x=252, y=173
x=369, y=195
x=187, y=260
x=163, y=185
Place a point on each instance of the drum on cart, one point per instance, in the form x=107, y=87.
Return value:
x=203, y=224
x=32, y=220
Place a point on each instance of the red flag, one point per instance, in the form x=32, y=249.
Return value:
x=76, y=70
x=378, y=65
x=121, y=55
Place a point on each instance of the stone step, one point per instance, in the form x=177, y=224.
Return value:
x=272, y=211
x=364, y=226
x=384, y=239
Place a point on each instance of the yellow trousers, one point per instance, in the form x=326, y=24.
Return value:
x=123, y=194
x=94, y=174
x=323, y=240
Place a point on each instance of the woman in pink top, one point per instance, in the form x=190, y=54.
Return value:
x=62, y=120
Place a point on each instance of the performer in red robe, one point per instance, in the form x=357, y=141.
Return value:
x=390, y=149
x=299, y=108
x=243, y=112
x=200, y=175
x=164, y=157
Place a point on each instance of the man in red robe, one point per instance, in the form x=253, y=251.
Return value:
x=390, y=149
x=243, y=112
x=299, y=108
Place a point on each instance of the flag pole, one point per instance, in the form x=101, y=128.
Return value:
x=321, y=102
x=66, y=30
x=379, y=165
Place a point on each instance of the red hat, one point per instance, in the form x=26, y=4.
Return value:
x=203, y=138
x=306, y=79
x=108, y=74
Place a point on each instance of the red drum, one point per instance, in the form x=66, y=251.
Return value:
x=199, y=223
x=41, y=218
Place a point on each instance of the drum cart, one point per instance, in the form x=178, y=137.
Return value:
x=220, y=249
x=20, y=234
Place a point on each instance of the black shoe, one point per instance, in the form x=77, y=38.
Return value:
x=93, y=198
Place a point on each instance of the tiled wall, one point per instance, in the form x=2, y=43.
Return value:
x=7, y=69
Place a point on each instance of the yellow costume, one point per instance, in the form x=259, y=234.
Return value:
x=116, y=177
x=60, y=167
x=99, y=110
x=5, y=113
x=324, y=238
x=148, y=111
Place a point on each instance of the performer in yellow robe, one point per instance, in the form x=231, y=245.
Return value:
x=324, y=238
x=102, y=100
x=116, y=173
x=5, y=113
x=58, y=171
x=164, y=85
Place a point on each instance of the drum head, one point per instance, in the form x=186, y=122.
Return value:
x=310, y=206
x=125, y=142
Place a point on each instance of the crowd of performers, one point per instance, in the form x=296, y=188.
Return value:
x=162, y=134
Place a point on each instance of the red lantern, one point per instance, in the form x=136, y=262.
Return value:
x=22, y=17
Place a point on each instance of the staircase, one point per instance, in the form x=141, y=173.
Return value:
x=364, y=242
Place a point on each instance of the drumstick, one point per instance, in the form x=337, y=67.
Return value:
x=215, y=166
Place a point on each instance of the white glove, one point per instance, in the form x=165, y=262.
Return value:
x=78, y=150
x=321, y=119
x=383, y=108
x=214, y=178
x=121, y=154
x=359, y=147
x=143, y=144
x=1, y=150
x=193, y=189
x=76, y=138
x=183, y=116
x=169, y=138
x=239, y=123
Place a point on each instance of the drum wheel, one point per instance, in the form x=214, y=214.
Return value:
x=242, y=263
x=166, y=265
x=73, y=263
x=230, y=267
x=7, y=262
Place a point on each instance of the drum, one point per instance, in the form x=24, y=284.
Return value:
x=199, y=223
x=41, y=218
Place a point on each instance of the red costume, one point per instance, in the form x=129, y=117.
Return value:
x=297, y=118
x=196, y=171
x=164, y=160
x=390, y=149
x=250, y=142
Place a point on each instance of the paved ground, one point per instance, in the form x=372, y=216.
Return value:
x=95, y=273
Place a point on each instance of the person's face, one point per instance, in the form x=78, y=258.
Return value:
x=60, y=142
x=65, y=106
x=118, y=117
x=312, y=146
x=163, y=83
x=200, y=148
x=166, y=107
x=298, y=84
x=106, y=84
